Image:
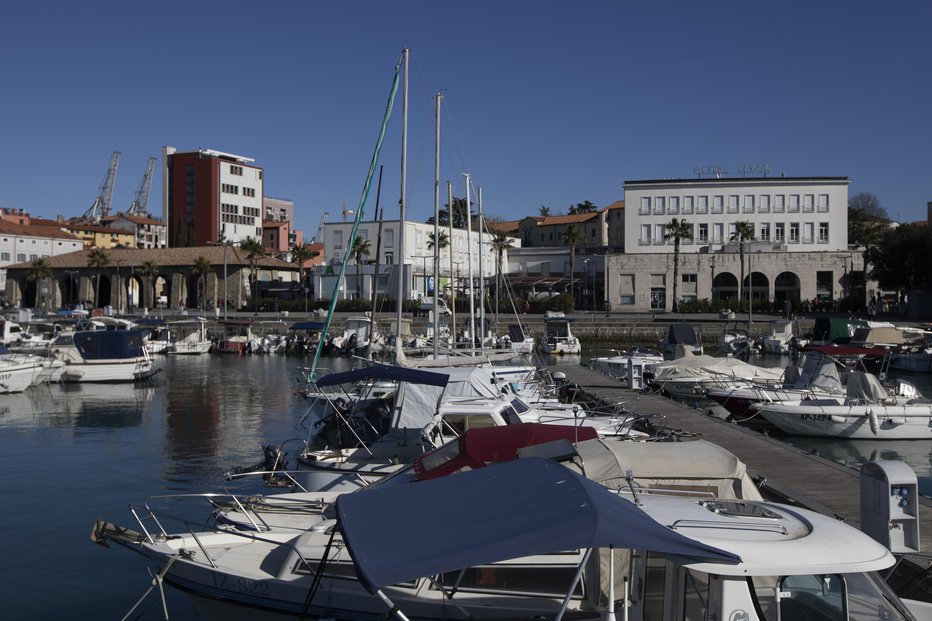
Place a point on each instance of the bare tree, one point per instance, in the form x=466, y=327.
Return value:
x=868, y=205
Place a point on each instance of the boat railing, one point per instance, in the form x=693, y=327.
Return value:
x=729, y=525
x=193, y=528
x=282, y=478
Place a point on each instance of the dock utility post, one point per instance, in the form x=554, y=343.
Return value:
x=890, y=505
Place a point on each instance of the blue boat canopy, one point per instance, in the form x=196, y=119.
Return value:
x=309, y=325
x=150, y=322
x=109, y=344
x=385, y=372
x=505, y=511
x=682, y=334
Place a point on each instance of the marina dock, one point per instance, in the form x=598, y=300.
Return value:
x=801, y=478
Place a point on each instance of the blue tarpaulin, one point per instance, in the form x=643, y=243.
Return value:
x=385, y=372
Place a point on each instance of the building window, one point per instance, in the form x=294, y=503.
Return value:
x=659, y=231
x=748, y=203
x=626, y=289
x=794, y=203
x=808, y=233
x=765, y=203
x=718, y=204
x=779, y=232
x=703, y=205
x=794, y=232
x=236, y=170
x=688, y=204
x=674, y=205
x=823, y=203
x=389, y=258
x=660, y=206
x=389, y=238
x=718, y=233
x=779, y=203
x=765, y=231
x=20, y=257
x=808, y=203
x=689, y=290
x=5, y=256
x=703, y=233
x=733, y=203
x=645, y=234
x=823, y=232
x=338, y=240
x=645, y=206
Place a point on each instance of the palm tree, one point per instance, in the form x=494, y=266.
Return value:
x=254, y=251
x=444, y=240
x=200, y=268
x=583, y=207
x=744, y=231
x=40, y=271
x=361, y=248
x=97, y=259
x=573, y=237
x=148, y=269
x=500, y=243
x=676, y=230
x=301, y=254
x=544, y=211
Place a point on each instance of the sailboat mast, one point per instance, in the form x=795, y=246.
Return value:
x=481, y=273
x=401, y=219
x=436, y=313
x=450, y=250
x=472, y=304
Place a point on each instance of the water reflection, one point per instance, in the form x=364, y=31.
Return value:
x=77, y=405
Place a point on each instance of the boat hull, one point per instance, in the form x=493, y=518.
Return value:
x=896, y=422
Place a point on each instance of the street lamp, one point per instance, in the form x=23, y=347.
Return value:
x=712, y=284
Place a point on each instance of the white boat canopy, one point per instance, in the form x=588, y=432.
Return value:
x=505, y=511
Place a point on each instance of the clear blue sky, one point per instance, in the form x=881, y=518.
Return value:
x=546, y=103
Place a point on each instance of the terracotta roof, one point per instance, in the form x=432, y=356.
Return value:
x=133, y=218
x=36, y=230
x=573, y=219
x=510, y=226
x=615, y=205
x=161, y=256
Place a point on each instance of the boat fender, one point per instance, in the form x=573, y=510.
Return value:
x=836, y=419
x=872, y=418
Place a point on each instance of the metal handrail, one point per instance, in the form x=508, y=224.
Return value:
x=778, y=528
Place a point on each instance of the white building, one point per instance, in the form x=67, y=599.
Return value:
x=22, y=243
x=794, y=214
x=417, y=259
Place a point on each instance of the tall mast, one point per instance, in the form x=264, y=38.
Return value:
x=481, y=275
x=401, y=219
x=436, y=313
x=472, y=306
x=452, y=278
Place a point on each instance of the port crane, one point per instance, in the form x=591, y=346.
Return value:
x=319, y=237
x=101, y=207
x=141, y=202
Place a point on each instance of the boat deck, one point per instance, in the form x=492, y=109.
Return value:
x=804, y=479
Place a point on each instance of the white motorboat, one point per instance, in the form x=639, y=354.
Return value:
x=516, y=340
x=868, y=410
x=633, y=361
x=782, y=336
x=818, y=377
x=681, y=339
x=735, y=338
x=157, y=338
x=915, y=357
x=695, y=376
x=493, y=538
x=103, y=356
x=558, y=336
x=355, y=338
x=19, y=371
x=237, y=334
x=189, y=337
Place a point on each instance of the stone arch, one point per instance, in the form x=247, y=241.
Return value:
x=725, y=286
x=786, y=286
x=759, y=287
x=69, y=288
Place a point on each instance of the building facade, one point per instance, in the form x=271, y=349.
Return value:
x=209, y=195
x=793, y=214
x=24, y=243
x=456, y=260
x=148, y=232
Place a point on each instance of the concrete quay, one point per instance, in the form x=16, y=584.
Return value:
x=792, y=475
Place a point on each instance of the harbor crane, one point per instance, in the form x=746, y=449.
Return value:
x=319, y=237
x=101, y=207
x=141, y=202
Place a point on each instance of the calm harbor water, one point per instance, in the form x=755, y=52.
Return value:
x=71, y=454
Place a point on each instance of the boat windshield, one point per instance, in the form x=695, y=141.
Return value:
x=854, y=597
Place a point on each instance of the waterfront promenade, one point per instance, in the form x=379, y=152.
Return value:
x=802, y=478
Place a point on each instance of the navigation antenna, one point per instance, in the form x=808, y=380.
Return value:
x=141, y=202
x=101, y=207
